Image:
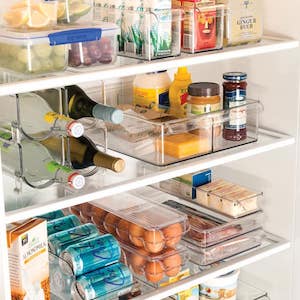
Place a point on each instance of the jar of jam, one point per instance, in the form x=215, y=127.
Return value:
x=204, y=97
x=234, y=95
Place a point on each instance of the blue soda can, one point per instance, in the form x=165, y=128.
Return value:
x=52, y=215
x=111, y=281
x=62, y=224
x=90, y=255
x=61, y=240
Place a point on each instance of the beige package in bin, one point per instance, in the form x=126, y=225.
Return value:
x=28, y=260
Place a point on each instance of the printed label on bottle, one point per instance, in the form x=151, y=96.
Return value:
x=215, y=292
x=199, y=109
x=237, y=116
x=157, y=99
x=54, y=166
x=235, y=95
x=51, y=117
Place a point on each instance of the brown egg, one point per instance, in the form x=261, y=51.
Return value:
x=85, y=210
x=173, y=234
x=138, y=261
x=154, y=241
x=136, y=235
x=110, y=223
x=98, y=215
x=75, y=210
x=154, y=271
x=172, y=263
x=123, y=230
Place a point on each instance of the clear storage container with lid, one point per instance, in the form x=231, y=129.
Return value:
x=29, y=14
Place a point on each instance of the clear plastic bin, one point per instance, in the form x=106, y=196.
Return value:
x=228, y=198
x=209, y=230
x=203, y=28
x=144, y=34
x=29, y=14
x=161, y=139
x=51, y=51
x=137, y=221
x=63, y=286
x=155, y=269
x=205, y=256
x=70, y=11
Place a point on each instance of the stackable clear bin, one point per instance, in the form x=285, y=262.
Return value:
x=208, y=230
x=62, y=285
x=70, y=11
x=166, y=140
x=145, y=34
x=29, y=14
x=229, y=199
x=51, y=51
x=155, y=269
x=136, y=221
x=203, y=28
x=205, y=256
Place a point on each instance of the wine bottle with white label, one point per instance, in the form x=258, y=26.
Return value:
x=37, y=163
x=37, y=116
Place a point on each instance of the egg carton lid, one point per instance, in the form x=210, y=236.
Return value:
x=62, y=35
x=141, y=211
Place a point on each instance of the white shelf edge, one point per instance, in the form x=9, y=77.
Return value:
x=190, y=166
x=223, y=268
x=268, y=45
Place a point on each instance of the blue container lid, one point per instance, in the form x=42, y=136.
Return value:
x=235, y=76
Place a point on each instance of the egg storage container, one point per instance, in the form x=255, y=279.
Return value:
x=146, y=33
x=161, y=139
x=155, y=268
x=139, y=222
x=210, y=229
x=228, y=198
x=29, y=14
x=74, y=11
x=205, y=256
x=203, y=28
x=64, y=286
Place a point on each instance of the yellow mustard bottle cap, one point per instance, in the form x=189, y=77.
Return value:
x=182, y=74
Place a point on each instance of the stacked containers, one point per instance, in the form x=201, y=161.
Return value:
x=83, y=262
x=148, y=232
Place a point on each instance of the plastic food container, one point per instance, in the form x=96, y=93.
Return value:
x=70, y=11
x=158, y=268
x=51, y=51
x=209, y=230
x=162, y=139
x=223, y=286
x=29, y=14
x=144, y=34
x=63, y=285
x=224, y=250
x=138, y=222
x=228, y=198
x=203, y=28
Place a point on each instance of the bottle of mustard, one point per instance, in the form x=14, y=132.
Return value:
x=178, y=92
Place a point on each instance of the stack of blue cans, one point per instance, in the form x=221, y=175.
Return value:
x=84, y=265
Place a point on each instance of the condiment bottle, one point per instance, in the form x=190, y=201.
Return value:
x=151, y=90
x=234, y=95
x=178, y=92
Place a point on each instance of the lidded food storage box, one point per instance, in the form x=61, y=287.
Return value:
x=52, y=51
x=29, y=14
x=137, y=221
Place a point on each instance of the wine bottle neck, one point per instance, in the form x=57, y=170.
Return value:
x=109, y=162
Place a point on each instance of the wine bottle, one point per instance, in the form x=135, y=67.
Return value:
x=84, y=153
x=37, y=116
x=38, y=164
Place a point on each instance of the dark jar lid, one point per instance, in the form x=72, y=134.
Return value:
x=204, y=89
x=235, y=76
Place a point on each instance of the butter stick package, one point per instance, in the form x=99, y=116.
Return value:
x=28, y=260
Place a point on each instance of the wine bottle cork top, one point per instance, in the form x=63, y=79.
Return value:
x=76, y=181
x=119, y=165
x=75, y=129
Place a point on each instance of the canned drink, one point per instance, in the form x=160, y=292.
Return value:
x=52, y=215
x=112, y=281
x=59, y=241
x=90, y=255
x=62, y=224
